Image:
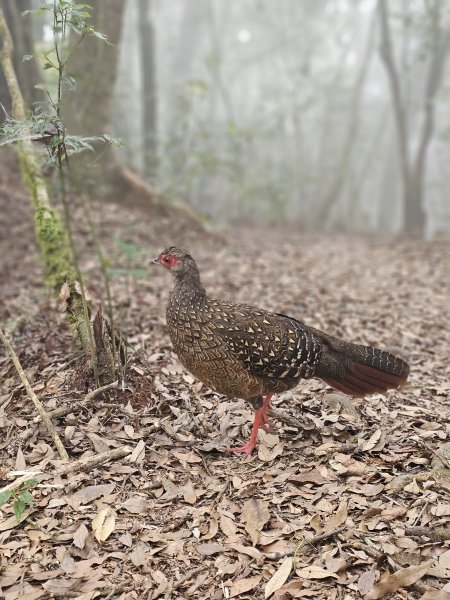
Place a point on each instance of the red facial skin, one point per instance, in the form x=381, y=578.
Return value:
x=168, y=261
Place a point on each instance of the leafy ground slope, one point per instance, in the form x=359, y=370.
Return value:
x=346, y=499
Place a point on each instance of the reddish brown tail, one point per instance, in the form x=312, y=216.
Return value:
x=372, y=371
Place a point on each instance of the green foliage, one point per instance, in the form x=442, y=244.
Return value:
x=22, y=498
x=68, y=15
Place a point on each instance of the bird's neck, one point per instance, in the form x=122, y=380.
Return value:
x=188, y=285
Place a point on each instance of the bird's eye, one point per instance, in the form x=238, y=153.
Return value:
x=166, y=259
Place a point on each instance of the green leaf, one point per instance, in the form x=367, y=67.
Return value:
x=26, y=498
x=19, y=508
x=100, y=36
x=37, y=11
x=27, y=484
x=4, y=497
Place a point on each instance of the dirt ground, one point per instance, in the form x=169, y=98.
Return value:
x=345, y=499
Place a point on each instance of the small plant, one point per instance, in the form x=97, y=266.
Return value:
x=22, y=498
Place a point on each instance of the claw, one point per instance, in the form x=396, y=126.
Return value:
x=261, y=421
x=246, y=449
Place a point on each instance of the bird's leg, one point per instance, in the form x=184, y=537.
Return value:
x=261, y=420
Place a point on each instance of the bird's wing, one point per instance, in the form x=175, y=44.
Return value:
x=266, y=344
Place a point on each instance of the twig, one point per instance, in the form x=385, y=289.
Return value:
x=14, y=485
x=286, y=418
x=83, y=464
x=437, y=534
x=37, y=403
x=304, y=543
x=188, y=576
x=62, y=411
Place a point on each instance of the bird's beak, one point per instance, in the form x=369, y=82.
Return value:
x=155, y=261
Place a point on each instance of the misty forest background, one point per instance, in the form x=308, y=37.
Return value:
x=323, y=114
x=299, y=149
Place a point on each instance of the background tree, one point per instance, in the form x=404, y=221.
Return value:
x=148, y=87
x=28, y=73
x=413, y=162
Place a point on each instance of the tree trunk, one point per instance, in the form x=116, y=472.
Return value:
x=27, y=72
x=148, y=93
x=88, y=111
x=414, y=169
x=333, y=193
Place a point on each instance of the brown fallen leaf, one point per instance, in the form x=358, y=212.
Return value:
x=228, y=527
x=392, y=582
x=248, y=550
x=279, y=577
x=209, y=548
x=90, y=493
x=138, y=555
x=103, y=523
x=138, y=454
x=80, y=535
x=366, y=580
x=366, y=445
x=337, y=519
x=244, y=585
x=255, y=515
x=314, y=572
x=444, y=559
x=135, y=505
x=189, y=493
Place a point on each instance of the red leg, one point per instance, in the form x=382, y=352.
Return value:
x=261, y=420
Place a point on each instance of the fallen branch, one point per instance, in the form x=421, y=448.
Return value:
x=437, y=534
x=303, y=544
x=37, y=403
x=177, y=584
x=286, y=418
x=14, y=485
x=89, y=462
x=81, y=464
x=62, y=411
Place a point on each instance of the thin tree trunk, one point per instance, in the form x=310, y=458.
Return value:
x=89, y=112
x=149, y=94
x=414, y=213
x=414, y=169
x=333, y=194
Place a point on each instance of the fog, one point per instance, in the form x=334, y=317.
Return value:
x=285, y=111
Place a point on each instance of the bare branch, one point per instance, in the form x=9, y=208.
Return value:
x=37, y=403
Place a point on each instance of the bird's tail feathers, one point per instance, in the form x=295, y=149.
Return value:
x=371, y=371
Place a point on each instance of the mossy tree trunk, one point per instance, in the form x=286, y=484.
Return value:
x=51, y=234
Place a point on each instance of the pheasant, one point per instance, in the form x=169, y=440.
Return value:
x=249, y=353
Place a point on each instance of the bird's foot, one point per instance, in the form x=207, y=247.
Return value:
x=246, y=449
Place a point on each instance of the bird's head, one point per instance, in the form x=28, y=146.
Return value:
x=176, y=260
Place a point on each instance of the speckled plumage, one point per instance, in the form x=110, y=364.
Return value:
x=246, y=352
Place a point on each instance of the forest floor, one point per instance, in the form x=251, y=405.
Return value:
x=347, y=499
